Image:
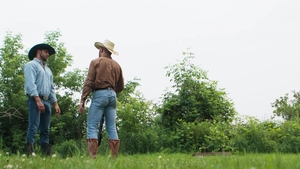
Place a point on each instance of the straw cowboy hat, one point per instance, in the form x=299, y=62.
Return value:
x=108, y=45
x=41, y=46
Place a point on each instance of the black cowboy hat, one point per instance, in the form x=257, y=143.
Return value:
x=42, y=46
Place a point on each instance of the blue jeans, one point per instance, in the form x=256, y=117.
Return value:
x=103, y=102
x=39, y=121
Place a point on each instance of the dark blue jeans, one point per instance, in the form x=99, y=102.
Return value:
x=39, y=121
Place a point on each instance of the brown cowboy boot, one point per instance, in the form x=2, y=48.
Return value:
x=92, y=144
x=114, y=147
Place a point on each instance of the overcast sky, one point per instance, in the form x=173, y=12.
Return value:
x=251, y=47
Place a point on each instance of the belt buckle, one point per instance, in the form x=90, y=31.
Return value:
x=45, y=97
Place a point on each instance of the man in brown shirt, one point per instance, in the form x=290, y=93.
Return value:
x=104, y=79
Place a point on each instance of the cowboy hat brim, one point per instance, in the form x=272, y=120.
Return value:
x=99, y=44
x=32, y=52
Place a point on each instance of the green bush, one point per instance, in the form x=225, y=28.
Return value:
x=143, y=141
x=190, y=136
x=254, y=136
x=204, y=137
x=68, y=148
x=289, y=137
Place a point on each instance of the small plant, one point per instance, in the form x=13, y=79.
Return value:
x=67, y=149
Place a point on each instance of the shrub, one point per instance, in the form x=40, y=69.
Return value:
x=289, y=137
x=68, y=148
x=253, y=136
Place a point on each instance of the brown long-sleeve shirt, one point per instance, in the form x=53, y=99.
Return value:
x=103, y=72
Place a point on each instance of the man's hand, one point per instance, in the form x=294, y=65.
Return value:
x=39, y=104
x=56, y=107
x=81, y=107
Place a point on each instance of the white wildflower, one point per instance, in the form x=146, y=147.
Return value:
x=54, y=155
x=159, y=157
x=7, y=153
x=33, y=154
x=8, y=166
x=23, y=155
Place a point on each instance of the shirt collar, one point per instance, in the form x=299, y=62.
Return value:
x=40, y=62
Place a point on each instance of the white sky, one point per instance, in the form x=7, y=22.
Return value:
x=251, y=47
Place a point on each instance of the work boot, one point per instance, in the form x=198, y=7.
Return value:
x=114, y=147
x=92, y=145
x=31, y=148
x=46, y=149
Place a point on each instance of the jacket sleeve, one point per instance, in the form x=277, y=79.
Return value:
x=89, y=82
x=120, y=83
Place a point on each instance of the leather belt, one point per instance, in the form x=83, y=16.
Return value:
x=41, y=96
x=103, y=88
x=44, y=97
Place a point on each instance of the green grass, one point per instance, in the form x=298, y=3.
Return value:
x=155, y=161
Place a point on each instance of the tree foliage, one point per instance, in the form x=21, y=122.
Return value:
x=192, y=116
x=287, y=108
x=14, y=111
x=12, y=115
x=194, y=96
x=136, y=120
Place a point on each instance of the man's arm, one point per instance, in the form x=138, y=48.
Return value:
x=89, y=82
x=30, y=76
x=88, y=86
x=56, y=107
x=120, y=83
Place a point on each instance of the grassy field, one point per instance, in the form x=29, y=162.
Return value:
x=154, y=161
